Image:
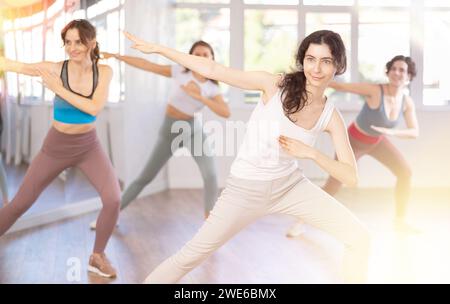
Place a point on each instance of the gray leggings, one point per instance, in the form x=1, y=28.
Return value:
x=192, y=138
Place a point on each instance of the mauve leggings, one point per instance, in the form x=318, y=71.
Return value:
x=59, y=152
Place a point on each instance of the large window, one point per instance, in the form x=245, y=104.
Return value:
x=436, y=78
x=108, y=17
x=383, y=34
x=210, y=25
x=270, y=41
x=267, y=32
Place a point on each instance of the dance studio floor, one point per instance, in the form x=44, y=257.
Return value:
x=154, y=227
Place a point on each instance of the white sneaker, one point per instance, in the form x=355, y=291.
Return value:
x=296, y=230
x=100, y=265
x=93, y=225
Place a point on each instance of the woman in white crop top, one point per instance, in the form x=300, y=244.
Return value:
x=264, y=179
x=189, y=94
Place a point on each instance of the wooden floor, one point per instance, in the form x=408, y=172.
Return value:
x=153, y=228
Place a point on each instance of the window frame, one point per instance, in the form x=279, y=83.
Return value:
x=237, y=12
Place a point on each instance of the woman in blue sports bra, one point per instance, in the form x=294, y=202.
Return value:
x=378, y=119
x=81, y=87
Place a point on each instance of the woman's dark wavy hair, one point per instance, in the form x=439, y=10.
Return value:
x=293, y=85
x=87, y=33
x=411, y=65
x=205, y=44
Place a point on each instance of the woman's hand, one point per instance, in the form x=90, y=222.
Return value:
x=106, y=55
x=141, y=45
x=295, y=147
x=385, y=131
x=192, y=89
x=50, y=80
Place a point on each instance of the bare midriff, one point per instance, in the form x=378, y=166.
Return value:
x=72, y=128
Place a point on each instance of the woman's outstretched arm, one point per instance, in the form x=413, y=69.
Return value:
x=141, y=63
x=30, y=69
x=256, y=80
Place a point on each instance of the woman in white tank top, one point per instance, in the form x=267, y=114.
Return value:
x=264, y=178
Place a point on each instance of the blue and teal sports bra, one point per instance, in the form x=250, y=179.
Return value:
x=65, y=112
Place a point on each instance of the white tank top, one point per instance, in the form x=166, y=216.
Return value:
x=260, y=156
x=182, y=101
